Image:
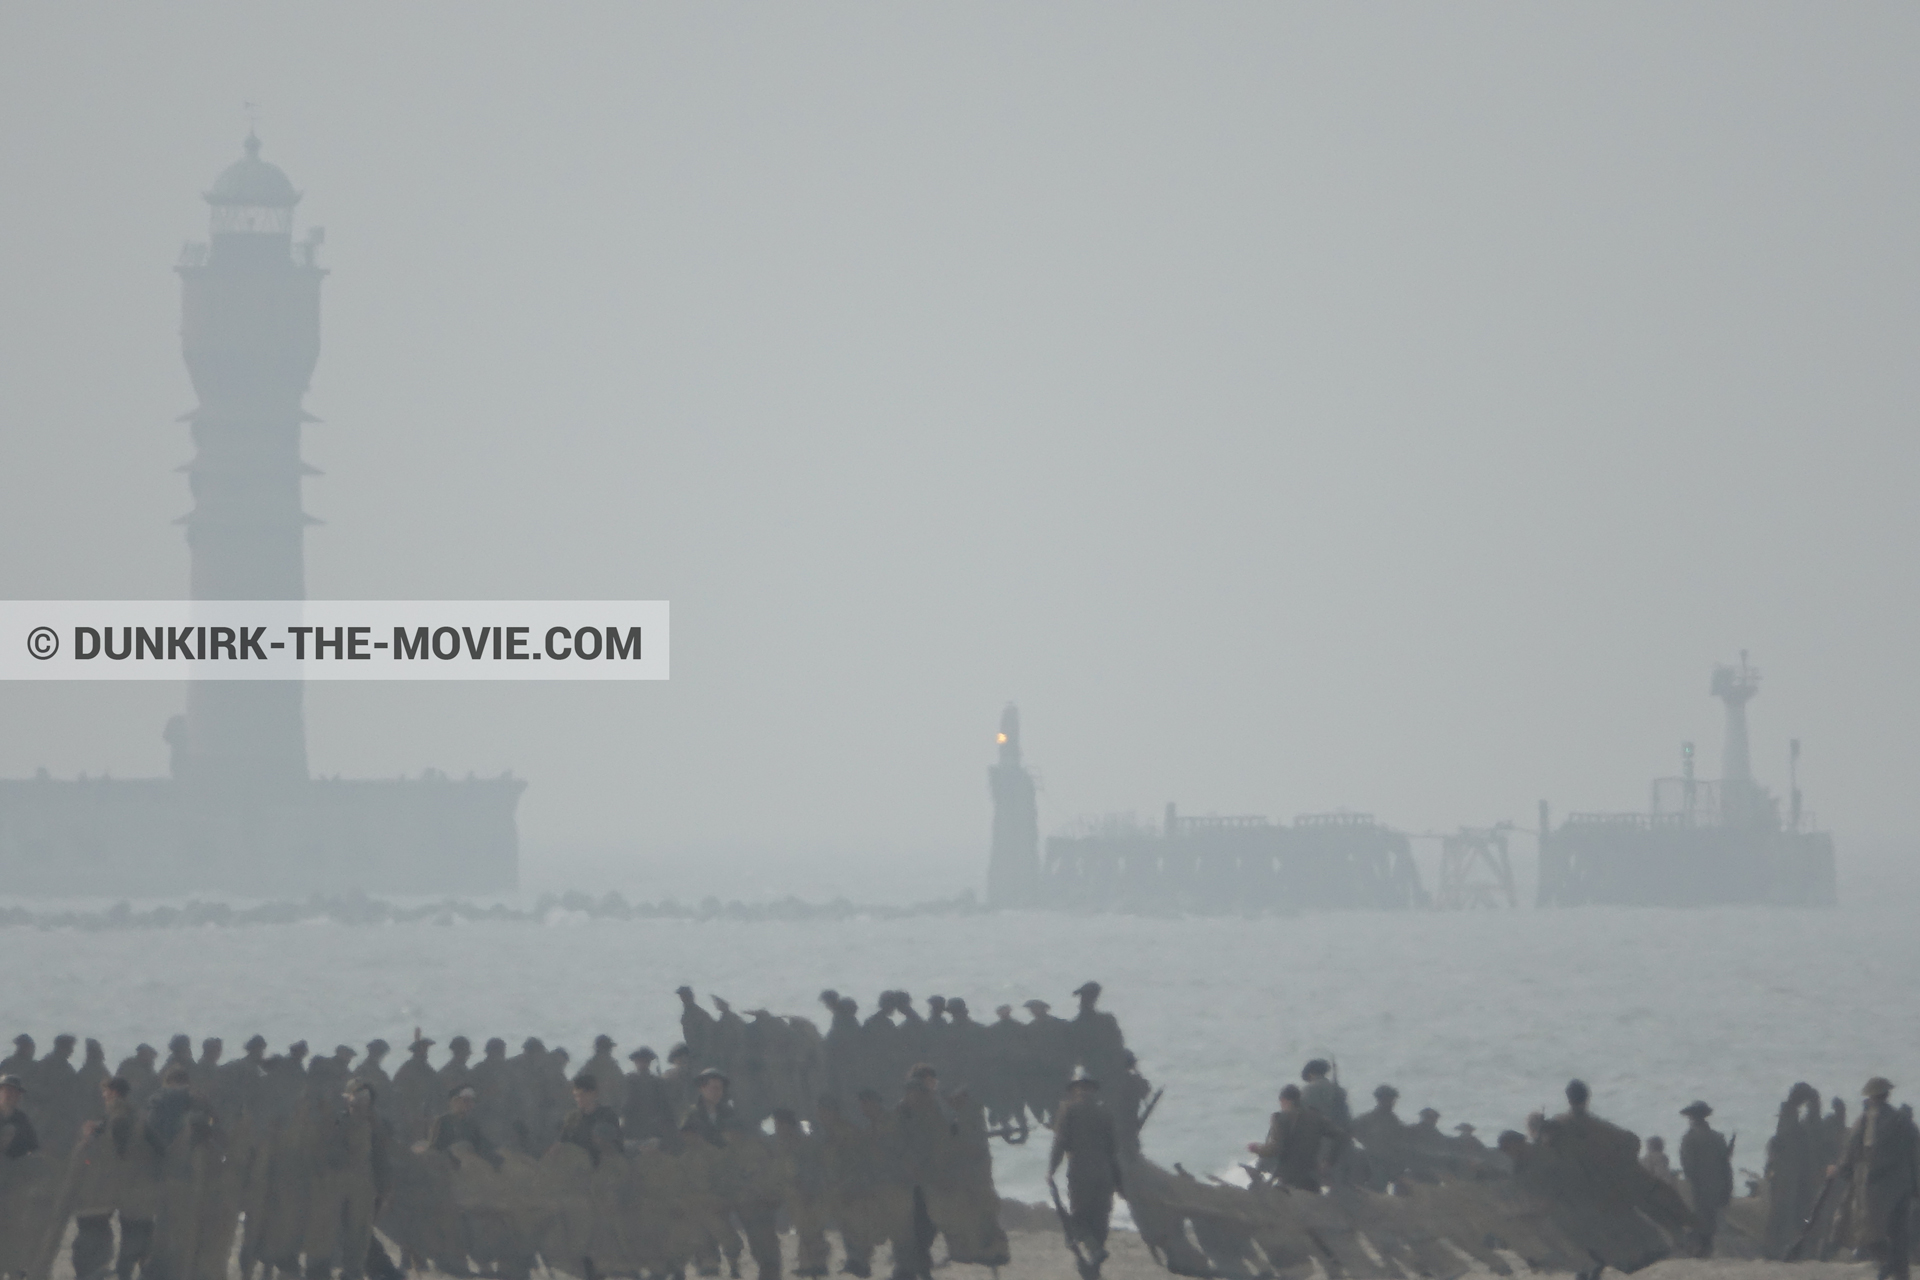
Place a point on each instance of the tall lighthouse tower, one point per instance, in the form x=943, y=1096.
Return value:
x=240, y=813
x=250, y=332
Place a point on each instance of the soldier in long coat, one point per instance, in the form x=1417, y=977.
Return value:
x=351, y=1185
x=454, y=1072
x=1601, y=1162
x=1882, y=1159
x=850, y=1170
x=720, y=1140
x=1707, y=1162
x=1003, y=1054
x=1383, y=1137
x=605, y=1068
x=117, y=1176
x=697, y=1028
x=58, y=1097
x=842, y=1045
x=417, y=1093
x=923, y=1120
x=20, y=1061
x=1085, y=1136
x=646, y=1109
x=139, y=1073
x=1790, y=1173
x=492, y=1081
x=804, y=1190
x=1049, y=1060
x=530, y=1120
x=1095, y=1035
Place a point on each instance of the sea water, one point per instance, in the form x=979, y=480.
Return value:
x=1483, y=1016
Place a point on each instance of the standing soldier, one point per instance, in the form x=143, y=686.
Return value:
x=592, y=1126
x=416, y=1092
x=205, y=1070
x=891, y=1172
x=804, y=1185
x=118, y=1176
x=1095, y=1035
x=327, y=1077
x=1131, y=1097
x=168, y=1111
x=351, y=1186
x=842, y=1043
x=936, y=1040
x=1319, y=1093
x=1834, y=1126
x=492, y=1083
x=1707, y=1163
x=20, y=1061
x=1790, y=1169
x=1606, y=1159
x=1880, y=1156
x=605, y=1069
x=646, y=1111
x=849, y=1167
x=59, y=1097
x=923, y=1120
x=712, y=1121
x=1003, y=1048
x=1085, y=1136
x=1295, y=1137
x=1383, y=1139
x=17, y=1137
x=527, y=1118
x=454, y=1072
x=236, y=1085
x=139, y=1074
x=373, y=1070
x=678, y=1078
x=1050, y=1058
x=966, y=1051
x=91, y=1075
x=697, y=1027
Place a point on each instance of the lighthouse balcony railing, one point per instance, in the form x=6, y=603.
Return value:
x=1692, y=801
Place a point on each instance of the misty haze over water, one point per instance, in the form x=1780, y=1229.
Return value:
x=1292, y=409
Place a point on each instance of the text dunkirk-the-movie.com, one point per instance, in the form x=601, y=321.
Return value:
x=333, y=640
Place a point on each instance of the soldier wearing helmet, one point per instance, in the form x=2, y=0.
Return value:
x=1881, y=1159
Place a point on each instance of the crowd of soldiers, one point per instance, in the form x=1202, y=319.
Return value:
x=1828, y=1187
x=877, y=1130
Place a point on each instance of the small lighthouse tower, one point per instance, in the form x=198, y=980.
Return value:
x=1013, y=869
x=1740, y=799
x=250, y=332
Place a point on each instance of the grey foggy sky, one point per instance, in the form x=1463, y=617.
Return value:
x=1291, y=407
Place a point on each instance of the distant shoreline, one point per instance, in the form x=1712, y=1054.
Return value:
x=359, y=909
